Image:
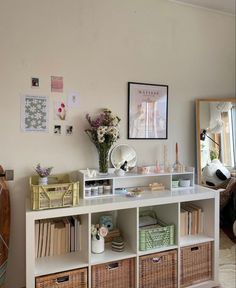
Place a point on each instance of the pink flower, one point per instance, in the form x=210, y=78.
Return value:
x=103, y=231
x=59, y=110
x=62, y=105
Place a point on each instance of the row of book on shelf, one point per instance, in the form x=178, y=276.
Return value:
x=191, y=219
x=57, y=236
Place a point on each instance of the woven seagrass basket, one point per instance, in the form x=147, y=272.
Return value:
x=158, y=270
x=118, y=274
x=69, y=279
x=196, y=264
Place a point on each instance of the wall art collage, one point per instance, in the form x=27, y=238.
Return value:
x=35, y=109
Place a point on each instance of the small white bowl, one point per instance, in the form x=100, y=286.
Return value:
x=184, y=183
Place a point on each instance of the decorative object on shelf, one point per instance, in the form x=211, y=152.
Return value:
x=178, y=167
x=156, y=186
x=143, y=169
x=118, y=244
x=184, y=183
x=112, y=234
x=91, y=173
x=59, y=192
x=123, y=157
x=147, y=112
x=175, y=183
x=119, y=172
x=98, y=234
x=106, y=221
x=165, y=156
x=157, y=169
x=135, y=192
x=103, y=132
x=43, y=174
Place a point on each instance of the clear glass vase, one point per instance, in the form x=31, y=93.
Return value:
x=103, y=154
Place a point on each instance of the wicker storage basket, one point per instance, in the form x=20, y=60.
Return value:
x=119, y=274
x=70, y=279
x=60, y=192
x=158, y=270
x=196, y=264
x=155, y=236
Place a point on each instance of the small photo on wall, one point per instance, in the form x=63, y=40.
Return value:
x=69, y=130
x=60, y=110
x=34, y=82
x=57, y=129
x=56, y=84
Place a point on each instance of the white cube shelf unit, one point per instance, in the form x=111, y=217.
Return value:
x=111, y=184
x=125, y=211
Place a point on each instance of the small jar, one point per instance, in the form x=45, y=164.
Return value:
x=87, y=191
x=107, y=189
x=94, y=190
x=100, y=189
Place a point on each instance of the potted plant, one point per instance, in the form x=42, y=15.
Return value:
x=43, y=174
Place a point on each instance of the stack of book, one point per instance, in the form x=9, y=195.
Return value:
x=191, y=219
x=57, y=236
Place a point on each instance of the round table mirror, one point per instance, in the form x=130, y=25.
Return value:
x=123, y=155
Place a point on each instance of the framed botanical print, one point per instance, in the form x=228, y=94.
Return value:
x=147, y=111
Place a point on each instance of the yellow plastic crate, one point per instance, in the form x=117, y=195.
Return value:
x=59, y=192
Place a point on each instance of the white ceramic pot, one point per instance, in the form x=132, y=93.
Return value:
x=43, y=180
x=98, y=246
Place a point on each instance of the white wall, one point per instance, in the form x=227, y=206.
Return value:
x=98, y=46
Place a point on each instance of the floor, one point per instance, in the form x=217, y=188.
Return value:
x=227, y=261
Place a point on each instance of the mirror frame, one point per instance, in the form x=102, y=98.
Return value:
x=198, y=101
x=128, y=146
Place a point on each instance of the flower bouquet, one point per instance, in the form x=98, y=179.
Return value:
x=43, y=173
x=103, y=132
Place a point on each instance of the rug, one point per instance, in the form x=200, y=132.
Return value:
x=227, y=262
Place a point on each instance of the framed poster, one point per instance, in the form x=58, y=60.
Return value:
x=147, y=111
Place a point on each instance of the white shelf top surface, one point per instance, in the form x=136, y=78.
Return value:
x=111, y=174
x=194, y=239
x=157, y=250
x=55, y=264
x=148, y=198
x=109, y=255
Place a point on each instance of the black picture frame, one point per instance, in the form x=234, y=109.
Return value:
x=147, y=111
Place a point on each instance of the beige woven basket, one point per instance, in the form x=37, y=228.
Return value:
x=60, y=192
x=158, y=270
x=118, y=274
x=70, y=279
x=196, y=264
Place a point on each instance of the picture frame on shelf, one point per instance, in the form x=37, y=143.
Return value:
x=147, y=111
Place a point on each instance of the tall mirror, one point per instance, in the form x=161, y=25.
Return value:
x=216, y=130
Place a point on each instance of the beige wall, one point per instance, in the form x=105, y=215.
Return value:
x=98, y=46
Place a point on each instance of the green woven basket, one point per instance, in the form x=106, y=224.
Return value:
x=154, y=236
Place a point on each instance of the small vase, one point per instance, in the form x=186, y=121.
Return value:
x=43, y=180
x=97, y=245
x=103, y=153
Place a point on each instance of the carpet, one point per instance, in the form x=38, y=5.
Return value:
x=227, y=261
